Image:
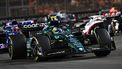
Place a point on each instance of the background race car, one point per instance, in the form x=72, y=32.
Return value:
x=2, y=38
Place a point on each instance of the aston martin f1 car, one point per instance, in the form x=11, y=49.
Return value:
x=58, y=39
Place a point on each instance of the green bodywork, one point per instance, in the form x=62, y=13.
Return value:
x=64, y=34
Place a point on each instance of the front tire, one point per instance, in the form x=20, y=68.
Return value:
x=104, y=41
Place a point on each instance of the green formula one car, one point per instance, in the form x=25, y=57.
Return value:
x=56, y=38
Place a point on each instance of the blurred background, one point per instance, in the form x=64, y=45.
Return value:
x=13, y=8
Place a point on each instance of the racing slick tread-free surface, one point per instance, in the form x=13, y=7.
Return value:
x=42, y=44
x=17, y=47
x=104, y=40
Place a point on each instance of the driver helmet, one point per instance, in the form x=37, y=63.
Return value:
x=54, y=19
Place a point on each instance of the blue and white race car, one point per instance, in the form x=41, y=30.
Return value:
x=2, y=38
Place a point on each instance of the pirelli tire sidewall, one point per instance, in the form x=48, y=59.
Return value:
x=104, y=40
x=17, y=46
x=42, y=42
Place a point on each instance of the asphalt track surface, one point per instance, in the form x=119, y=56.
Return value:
x=87, y=61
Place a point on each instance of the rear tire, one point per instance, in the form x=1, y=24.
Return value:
x=40, y=47
x=17, y=47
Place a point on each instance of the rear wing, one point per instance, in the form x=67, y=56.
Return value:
x=30, y=25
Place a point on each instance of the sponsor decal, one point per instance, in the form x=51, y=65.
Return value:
x=30, y=26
